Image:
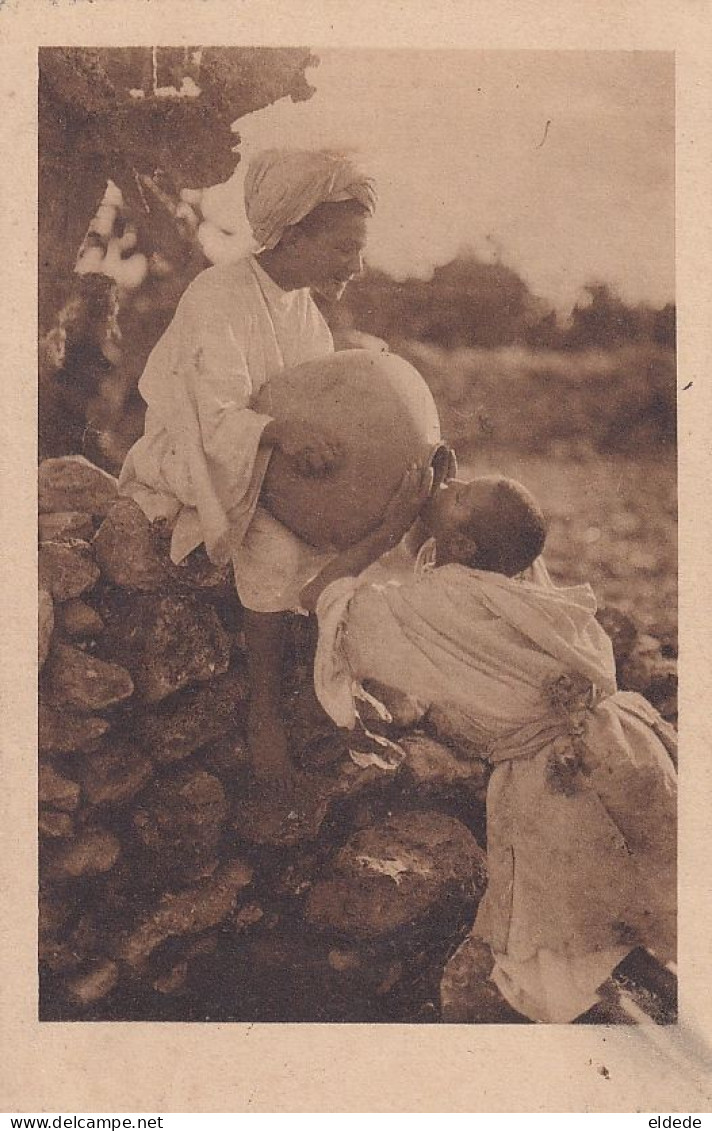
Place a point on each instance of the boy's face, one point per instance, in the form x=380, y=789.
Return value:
x=451, y=507
x=333, y=255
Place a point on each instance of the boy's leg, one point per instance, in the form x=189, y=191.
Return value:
x=271, y=567
x=264, y=637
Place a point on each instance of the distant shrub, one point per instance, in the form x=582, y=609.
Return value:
x=618, y=400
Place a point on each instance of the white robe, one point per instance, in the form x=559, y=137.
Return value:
x=199, y=463
x=581, y=801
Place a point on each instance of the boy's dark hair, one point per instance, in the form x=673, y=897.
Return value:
x=510, y=532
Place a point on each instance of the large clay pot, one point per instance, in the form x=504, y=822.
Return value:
x=380, y=410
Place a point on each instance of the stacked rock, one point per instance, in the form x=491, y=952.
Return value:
x=138, y=670
x=171, y=886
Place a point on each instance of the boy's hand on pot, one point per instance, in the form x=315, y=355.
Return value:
x=408, y=500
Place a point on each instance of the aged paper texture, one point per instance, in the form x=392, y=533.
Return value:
x=173, y=1067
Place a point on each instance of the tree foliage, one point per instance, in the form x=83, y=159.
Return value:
x=154, y=121
x=470, y=302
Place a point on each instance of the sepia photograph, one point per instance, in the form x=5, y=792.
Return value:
x=357, y=527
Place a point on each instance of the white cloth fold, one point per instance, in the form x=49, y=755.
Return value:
x=283, y=186
x=581, y=824
x=199, y=463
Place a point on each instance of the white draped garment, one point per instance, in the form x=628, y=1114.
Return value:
x=199, y=463
x=581, y=804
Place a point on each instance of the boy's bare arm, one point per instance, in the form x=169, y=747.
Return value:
x=399, y=516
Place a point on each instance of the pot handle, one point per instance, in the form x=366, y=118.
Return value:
x=444, y=464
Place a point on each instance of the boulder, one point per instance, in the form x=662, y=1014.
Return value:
x=166, y=642
x=56, y=790
x=62, y=732
x=125, y=549
x=652, y=675
x=194, y=717
x=78, y=620
x=67, y=526
x=181, y=820
x=229, y=759
x=54, y=912
x=395, y=873
x=55, y=825
x=115, y=775
x=467, y=995
x=134, y=553
x=93, y=852
x=45, y=624
x=83, y=682
x=72, y=483
x=93, y=984
x=187, y=912
x=296, y=816
x=66, y=571
x=621, y=629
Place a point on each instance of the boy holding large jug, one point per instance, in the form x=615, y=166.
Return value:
x=205, y=449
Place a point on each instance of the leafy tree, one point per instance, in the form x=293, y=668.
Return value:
x=155, y=122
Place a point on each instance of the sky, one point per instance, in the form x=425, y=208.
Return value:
x=459, y=144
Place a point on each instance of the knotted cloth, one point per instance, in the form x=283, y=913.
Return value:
x=283, y=186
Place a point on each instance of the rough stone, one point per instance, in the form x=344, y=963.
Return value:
x=195, y=717
x=393, y=874
x=93, y=852
x=181, y=821
x=174, y=981
x=61, y=732
x=429, y=763
x=187, y=912
x=83, y=682
x=622, y=630
x=297, y=816
x=67, y=526
x=115, y=775
x=228, y=759
x=54, y=912
x=126, y=550
x=648, y=672
x=56, y=790
x=55, y=825
x=94, y=984
x=45, y=624
x=59, y=957
x=166, y=642
x=467, y=996
x=72, y=483
x=66, y=571
x=78, y=620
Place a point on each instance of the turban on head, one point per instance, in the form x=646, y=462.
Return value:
x=283, y=186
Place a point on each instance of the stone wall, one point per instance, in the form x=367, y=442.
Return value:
x=170, y=886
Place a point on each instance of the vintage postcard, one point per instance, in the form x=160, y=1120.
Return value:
x=356, y=415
